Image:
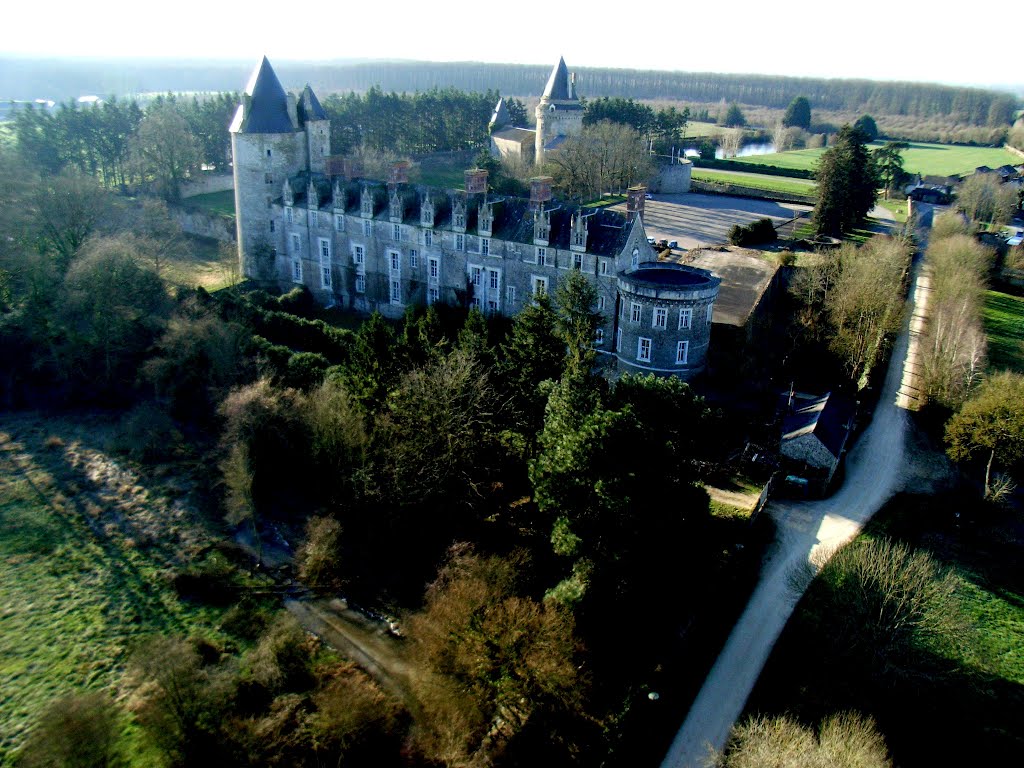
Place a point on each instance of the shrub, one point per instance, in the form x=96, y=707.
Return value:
x=759, y=232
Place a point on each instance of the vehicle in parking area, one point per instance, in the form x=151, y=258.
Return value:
x=673, y=243
x=648, y=196
x=650, y=241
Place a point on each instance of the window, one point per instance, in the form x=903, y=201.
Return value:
x=600, y=302
x=643, y=350
x=358, y=255
x=542, y=256
x=325, y=275
x=268, y=178
x=474, y=273
x=577, y=261
x=339, y=223
x=634, y=312
x=618, y=340
x=602, y=267
x=367, y=229
x=492, y=306
x=296, y=243
x=396, y=231
x=540, y=286
x=428, y=238
x=288, y=215
x=660, y=318
x=325, y=249
x=485, y=246
x=682, y=350
x=296, y=271
x=360, y=283
x=709, y=313
x=493, y=277
x=460, y=220
x=396, y=261
x=599, y=337
x=314, y=218
x=460, y=243
x=476, y=302
x=434, y=269
x=269, y=154
x=396, y=291
x=432, y=295
x=272, y=226
x=685, y=316
x=635, y=260
x=510, y=294
x=414, y=259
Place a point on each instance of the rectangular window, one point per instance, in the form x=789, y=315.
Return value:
x=485, y=246
x=601, y=303
x=474, y=273
x=360, y=283
x=510, y=295
x=540, y=286
x=685, y=316
x=325, y=276
x=602, y=267
x=428, y=238
x=269, y=179
x=414, y=259
x=325, y=249
x=709, y=313
x=577, y=261
x=358, y=255
x=396, y=291
x=493, y=277
x=549, y=258
x=460, y=243
x=296, y=243
x=542, y=256
x=339, y=223
x=435, y=269
x=288, y=216
x=476, y=302
x=618, y=340
x=396, y=261
x=682, y=349
x=634, y=312
x=368, y=229
x=660, y=318
x=313, y=218
x=296, y=271
x=433, y=294
x=599, y=337
x=492, y=306
x=396, y=231
x=272, y=225
x=643, y=350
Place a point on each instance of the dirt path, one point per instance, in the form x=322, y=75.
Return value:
x=808, y=534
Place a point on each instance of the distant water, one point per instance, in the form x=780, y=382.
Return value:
x=762, y=148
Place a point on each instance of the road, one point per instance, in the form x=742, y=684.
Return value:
x=808, y=534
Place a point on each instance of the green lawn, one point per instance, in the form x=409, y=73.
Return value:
x=931, y=159
x=215, y=202
x=75, y=595
x=898, y=208
x=1004, y=324
x=756, y=181
x=706, y=130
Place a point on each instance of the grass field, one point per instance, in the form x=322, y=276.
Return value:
x=706, y=130
x=756, y=181
x=898, y=208
x=76, y=591
x=203, y=263
x=222, y=203
x=930, y=159
x=1004, y=323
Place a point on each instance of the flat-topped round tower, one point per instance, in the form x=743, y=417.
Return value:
x=664, y=321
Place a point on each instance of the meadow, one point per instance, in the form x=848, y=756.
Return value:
x=755, y=181
x=1003, y=316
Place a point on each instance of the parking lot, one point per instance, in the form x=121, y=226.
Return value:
x=696, y=220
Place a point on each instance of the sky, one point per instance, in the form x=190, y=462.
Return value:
x=826, y=38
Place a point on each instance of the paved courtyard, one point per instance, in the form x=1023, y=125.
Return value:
x=696, y=220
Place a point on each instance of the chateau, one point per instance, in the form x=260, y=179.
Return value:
x=307, y=218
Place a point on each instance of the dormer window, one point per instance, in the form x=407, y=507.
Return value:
x=288, y=216
x=635, y=261
x=460, y=220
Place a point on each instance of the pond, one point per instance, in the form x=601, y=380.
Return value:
x=758, y=148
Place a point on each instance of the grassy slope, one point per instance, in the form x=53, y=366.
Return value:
x=1004, y=324
x=75, y=593
x=215, y=202
x=756, y=181
x=935, y=159
x=204, y=264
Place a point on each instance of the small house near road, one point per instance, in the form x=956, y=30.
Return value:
x=814, y=433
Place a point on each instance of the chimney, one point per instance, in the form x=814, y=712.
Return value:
x=476, y=181
x=399, y=174
x=540, y=191
x=635, y=197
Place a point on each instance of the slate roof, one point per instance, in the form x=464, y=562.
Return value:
x=519, y=135
x=267, y=110
x=309, y=106
x=558, y=87
x=500, y=118
x=825, y=417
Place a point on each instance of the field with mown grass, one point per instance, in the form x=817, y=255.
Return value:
x=1003, y=316
x=78, y=590
x=756, y=181
x=928, y=159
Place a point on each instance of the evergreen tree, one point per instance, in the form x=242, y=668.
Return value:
x=798, y=114
x=866, y=124
x=846, y=184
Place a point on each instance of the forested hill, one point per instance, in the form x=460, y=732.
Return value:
x=29, y=79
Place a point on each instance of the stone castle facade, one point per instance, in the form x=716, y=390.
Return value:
x=305, y=218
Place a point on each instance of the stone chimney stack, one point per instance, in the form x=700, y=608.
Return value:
x=635, y=197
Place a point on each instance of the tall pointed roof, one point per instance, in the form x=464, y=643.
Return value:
x=267, y=105
x=309, y=106
x=559, y=88
x=500, y=118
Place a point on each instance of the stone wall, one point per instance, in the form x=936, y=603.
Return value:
x=715, y=188
x=207, y=183
x=204, y=224
x=672, y=179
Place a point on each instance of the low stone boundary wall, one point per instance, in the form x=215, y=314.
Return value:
x=207, y=183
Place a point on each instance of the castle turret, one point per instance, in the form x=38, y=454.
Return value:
x=559, y=113
x=268, y=146
x=313, y=119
